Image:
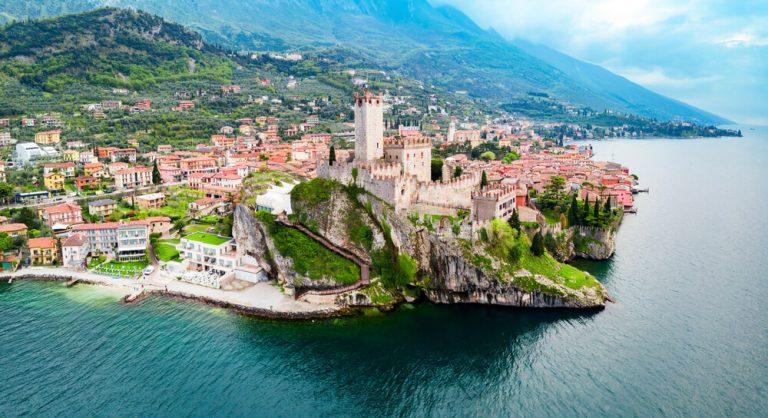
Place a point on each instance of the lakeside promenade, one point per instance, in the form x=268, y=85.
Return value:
x=261, y=299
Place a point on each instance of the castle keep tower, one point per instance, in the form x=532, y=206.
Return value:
x=369, y=127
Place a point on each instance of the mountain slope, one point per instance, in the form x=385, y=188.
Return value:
x=110, y=47
x=439, y=45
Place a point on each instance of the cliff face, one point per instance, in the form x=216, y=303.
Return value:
x=255, y=245
x=580, y=242
x=452, y=278
x=594, y=243
x=446, y=273
x=342, y=221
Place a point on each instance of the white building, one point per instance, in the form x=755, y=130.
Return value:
x=74, y=251
x=28, y=151
x=208, y=252
x=277, y=199
x=127, y=241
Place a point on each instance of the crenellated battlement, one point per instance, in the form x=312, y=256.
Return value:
x=407, y=142
x=369, y=98
x=496, y=192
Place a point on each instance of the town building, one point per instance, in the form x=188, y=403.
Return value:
x=209, y=253
x=86, y=182
x=102, y=207
x=134, y=177
x=43, y=251
x=54, y=181
x=151, y=201
x=25, y=198
x=62, y=214
x=48, y=137
x=5, y=139
x=28, y=151
x=126, y=241
x=14, y=230
x=66, y=168
x=74, y=251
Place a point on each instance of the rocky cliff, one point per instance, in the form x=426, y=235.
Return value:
x=448, y=270
x=588, y=242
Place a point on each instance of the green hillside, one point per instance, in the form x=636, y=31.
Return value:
x=107, y=47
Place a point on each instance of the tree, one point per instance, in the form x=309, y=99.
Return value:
x=156, y=179
x=596, y=211
x=511, y=156
x=332, y=155
x=483, y=180
x=585, y=214
x=607, y=206
x=573, y=212
x=437, y=169
x=537, y=245
x=457, y=171
x=514, y=220
x=556, y=183
x=488, y=156
x=6, y=242
x=6, y=192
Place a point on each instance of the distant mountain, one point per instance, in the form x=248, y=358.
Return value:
x=437, y=44
x=112, y=47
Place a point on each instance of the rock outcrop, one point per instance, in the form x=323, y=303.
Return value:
x=446, y=274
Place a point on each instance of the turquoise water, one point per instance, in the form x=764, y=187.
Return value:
x=688, y=336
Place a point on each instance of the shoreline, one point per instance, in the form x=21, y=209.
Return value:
x=291, y=310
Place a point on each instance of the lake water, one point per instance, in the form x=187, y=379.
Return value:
x=688, y=336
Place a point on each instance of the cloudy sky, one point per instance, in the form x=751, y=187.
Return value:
x=709, y=53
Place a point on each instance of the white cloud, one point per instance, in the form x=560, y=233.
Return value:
x=744, y=39
x=658, y=78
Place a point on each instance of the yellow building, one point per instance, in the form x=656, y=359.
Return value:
x=48, y=137
x=54, y=181
x=43, y=251
x=71, y=155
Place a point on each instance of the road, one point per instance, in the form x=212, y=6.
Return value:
x=63, y=199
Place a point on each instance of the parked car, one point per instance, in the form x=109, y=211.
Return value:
x=149, y=270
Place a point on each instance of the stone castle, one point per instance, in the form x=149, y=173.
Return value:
x=397, y=170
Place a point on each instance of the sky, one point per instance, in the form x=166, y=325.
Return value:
x=712, y=54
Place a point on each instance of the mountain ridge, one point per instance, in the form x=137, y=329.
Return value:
x=437, y=44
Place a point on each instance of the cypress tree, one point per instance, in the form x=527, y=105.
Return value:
x=607, y=206
x=537, y=245
x=585, y=214
x=457, y=171
x=514, y=220
x=156, y=179
x=483, y=180
x=573, y=212
x=332, y=155
x=596, y=211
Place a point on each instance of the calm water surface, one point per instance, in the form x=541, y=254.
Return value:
x=688, y=336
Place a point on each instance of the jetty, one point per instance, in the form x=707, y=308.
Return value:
x=136, y=296
x=71, y=282
x=636, y=190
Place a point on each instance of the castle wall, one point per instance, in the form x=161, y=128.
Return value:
x=456, y=192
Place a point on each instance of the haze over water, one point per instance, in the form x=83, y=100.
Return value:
x=688, y=336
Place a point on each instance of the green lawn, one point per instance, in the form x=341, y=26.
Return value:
x=165, y=250
x=192, y=228
x=207, y=238
x=124, y=269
